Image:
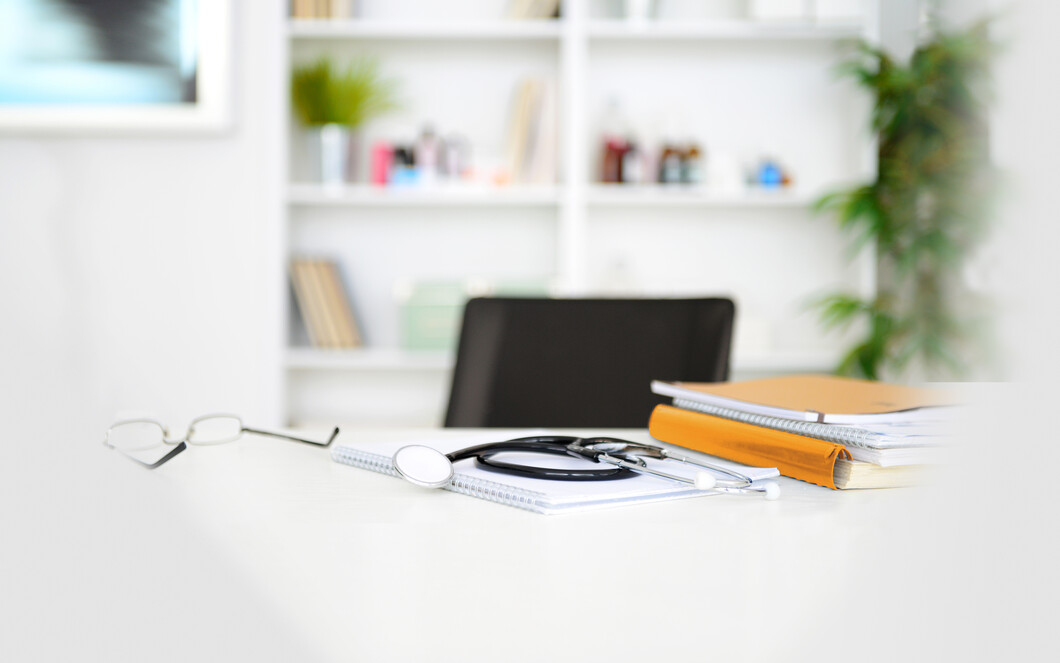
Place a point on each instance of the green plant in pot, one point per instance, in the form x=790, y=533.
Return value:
x=925, y=212
x=333, y=104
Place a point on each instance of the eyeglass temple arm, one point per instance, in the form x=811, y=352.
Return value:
x=331, y=439
x=176, y=450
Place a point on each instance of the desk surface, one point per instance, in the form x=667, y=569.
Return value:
x=267, y=550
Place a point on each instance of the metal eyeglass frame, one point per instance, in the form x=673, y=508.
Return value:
x=182, y=444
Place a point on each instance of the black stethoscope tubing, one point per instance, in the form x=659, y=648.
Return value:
x=556, y=445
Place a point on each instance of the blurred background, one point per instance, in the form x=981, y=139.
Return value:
x=278, y=208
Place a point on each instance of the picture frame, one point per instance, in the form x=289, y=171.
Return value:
x=208, y=111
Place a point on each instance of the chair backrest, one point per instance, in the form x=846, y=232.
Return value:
x=582, y=362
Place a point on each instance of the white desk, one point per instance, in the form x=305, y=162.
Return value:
x=267, y=550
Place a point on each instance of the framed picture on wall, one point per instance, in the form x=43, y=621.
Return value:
x=115, y=66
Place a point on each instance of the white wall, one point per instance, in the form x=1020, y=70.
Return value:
x=141, y=272
x=1025, y=142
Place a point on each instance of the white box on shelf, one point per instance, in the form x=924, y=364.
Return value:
x=839, y=11
x=779, y=10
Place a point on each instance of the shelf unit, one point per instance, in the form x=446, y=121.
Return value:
x=672, y=241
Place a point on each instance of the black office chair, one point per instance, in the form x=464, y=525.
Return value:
x=582, y=363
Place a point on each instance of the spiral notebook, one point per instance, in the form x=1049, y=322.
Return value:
x=886, y=443
x=539, y=495
x=827, y=399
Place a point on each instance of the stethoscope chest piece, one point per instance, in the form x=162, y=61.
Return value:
x=423, y=466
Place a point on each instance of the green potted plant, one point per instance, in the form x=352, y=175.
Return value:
x=925, y=211
x=333, y=104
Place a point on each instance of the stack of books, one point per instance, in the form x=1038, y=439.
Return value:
x=836, y=432
x=523, y=9
x=532, y=146
x=322, y=8
x=324, y=304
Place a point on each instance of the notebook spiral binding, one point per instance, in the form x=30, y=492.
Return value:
x=475, y=487
x=856, y=437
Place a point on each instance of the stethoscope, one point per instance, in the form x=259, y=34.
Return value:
x=431, y=468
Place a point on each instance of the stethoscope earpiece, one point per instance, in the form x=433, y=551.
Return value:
x=772, y=490
x=705, y=481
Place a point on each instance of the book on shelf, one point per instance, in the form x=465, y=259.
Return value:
x=324, y=304
x=531, y=9
x=889, y=432
x=312, y=9
x=532, y=145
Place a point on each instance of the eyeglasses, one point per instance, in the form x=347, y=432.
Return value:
x=136, y=437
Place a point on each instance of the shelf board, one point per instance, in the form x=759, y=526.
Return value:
x=618, y=195
x=543, y=29
x=546, y=29
x=720, y=30
x=368, y=359
x=441, y=196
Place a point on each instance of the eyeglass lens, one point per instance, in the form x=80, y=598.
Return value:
x=215, y=430
x=136, y=436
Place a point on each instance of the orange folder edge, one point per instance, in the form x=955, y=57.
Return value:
x=795, y=456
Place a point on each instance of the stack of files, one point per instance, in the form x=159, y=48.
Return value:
x=324, y=304
x=538, y=495
x=836, y=432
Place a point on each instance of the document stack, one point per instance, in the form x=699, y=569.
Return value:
x=836, y=432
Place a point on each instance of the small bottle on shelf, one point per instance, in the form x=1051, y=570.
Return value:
x=611, y=164
x=613, y=142
x=632, y=171
x=382, y=162
x=403, y=172
x=456, y=157
x=692, y=165
x=427, y=149
x=670, y=165
x=768, y=174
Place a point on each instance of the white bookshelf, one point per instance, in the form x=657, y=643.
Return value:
x=739, y=81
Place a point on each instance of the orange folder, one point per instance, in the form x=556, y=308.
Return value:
x=795, y=456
